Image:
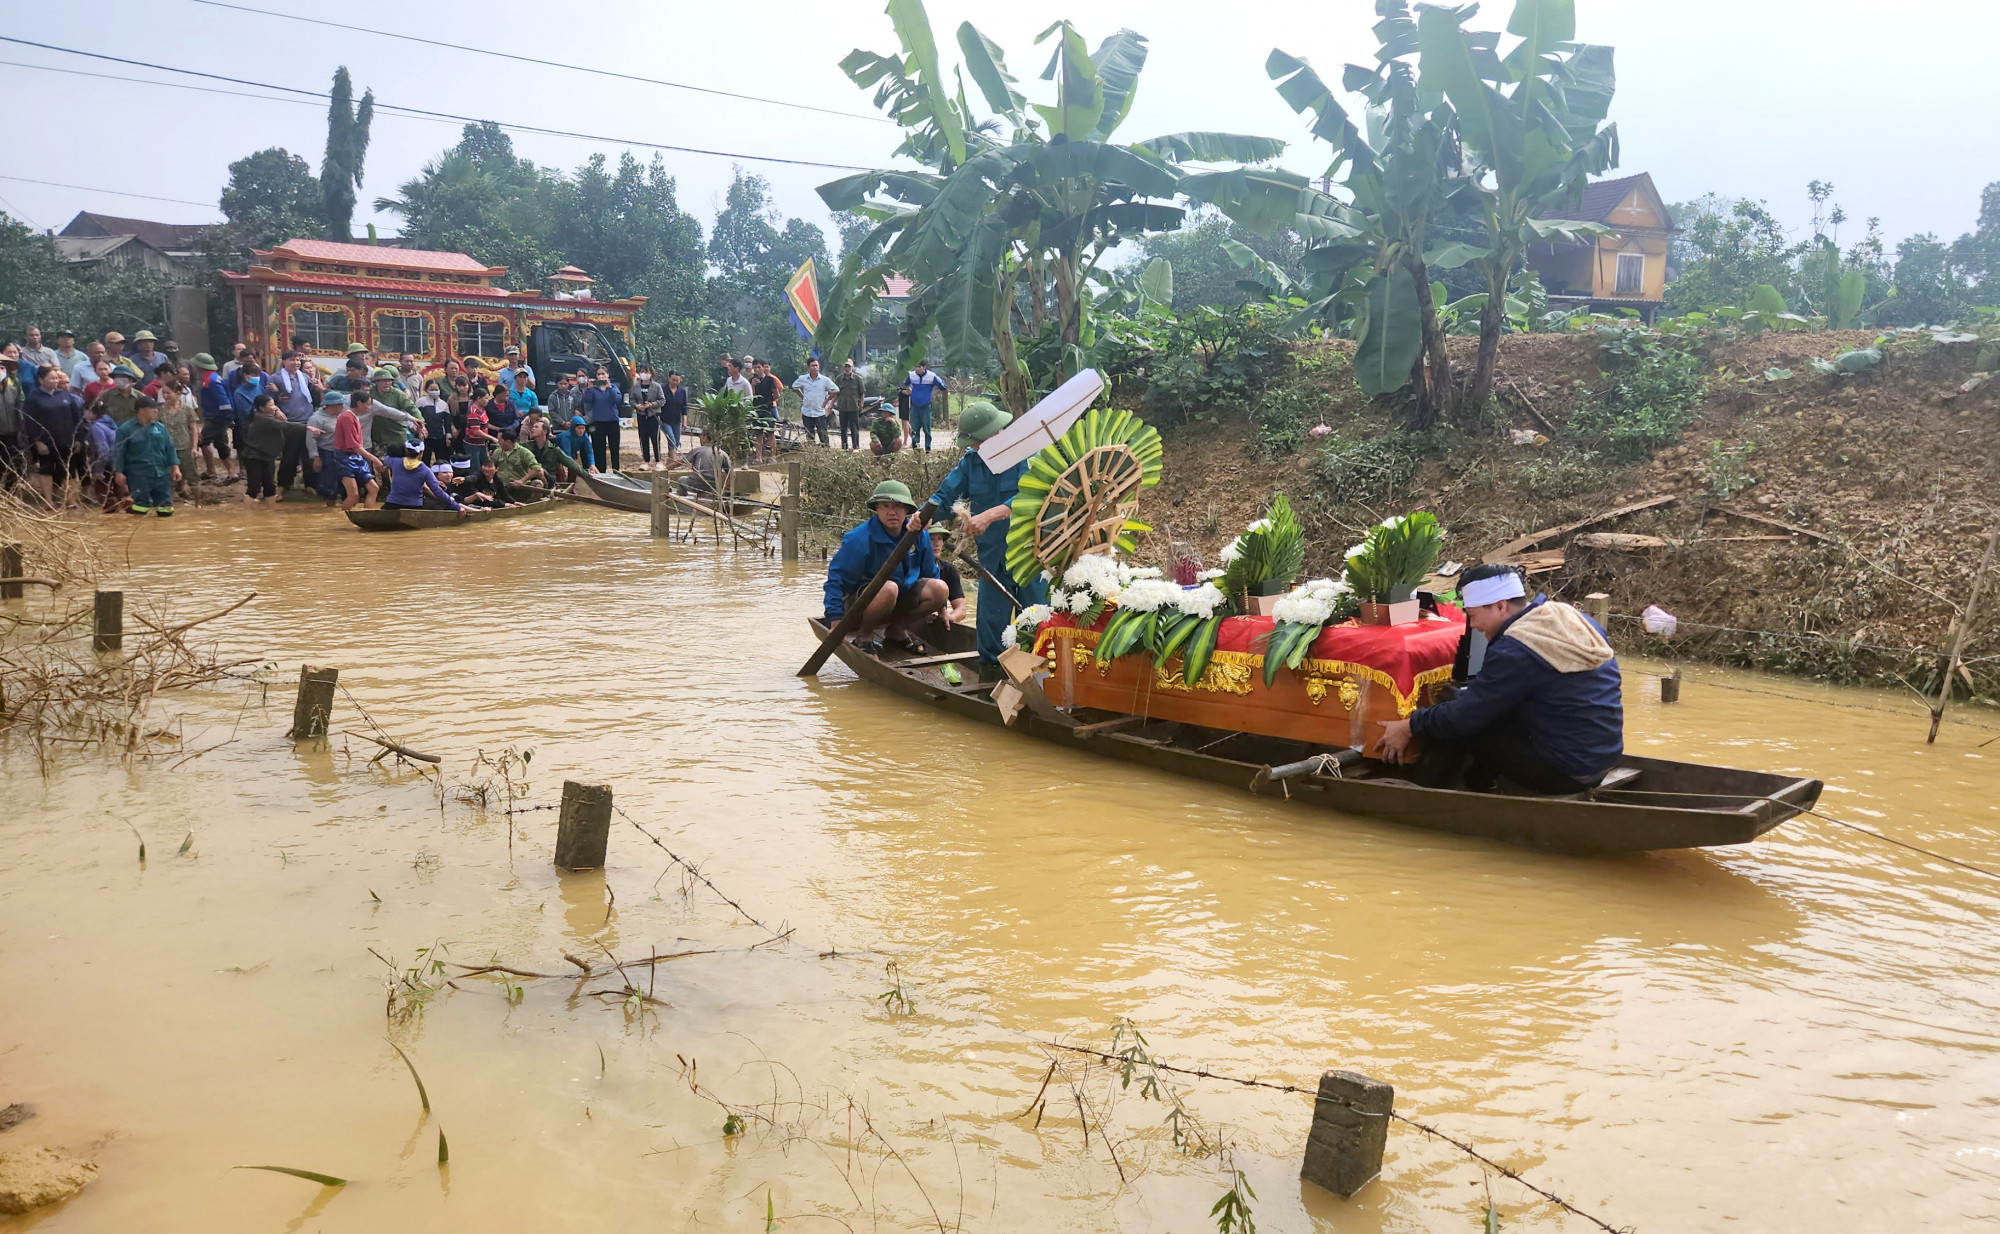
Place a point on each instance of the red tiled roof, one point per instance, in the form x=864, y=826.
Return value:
x=367, y=284
x=896, y=287
x=377, y=255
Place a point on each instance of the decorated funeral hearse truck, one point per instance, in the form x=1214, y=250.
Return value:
x=323, y=296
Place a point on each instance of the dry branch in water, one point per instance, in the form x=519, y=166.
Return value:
x=58, y=693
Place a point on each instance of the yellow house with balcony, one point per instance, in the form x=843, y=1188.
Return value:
x=1626, y=268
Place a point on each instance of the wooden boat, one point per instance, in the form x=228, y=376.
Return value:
x=616, y=489
x=413, y=520
x=1644, y=803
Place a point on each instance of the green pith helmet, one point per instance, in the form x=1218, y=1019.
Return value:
x=145, y=336
x=385, y=373
x=354, y=348
x=202, y=360
x=981, y=420
x=892, y=490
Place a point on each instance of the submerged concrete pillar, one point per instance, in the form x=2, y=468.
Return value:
x=314, y=704
x=1350, y=1128
x=583, y=829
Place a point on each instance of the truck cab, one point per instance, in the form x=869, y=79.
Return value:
x=559, y=347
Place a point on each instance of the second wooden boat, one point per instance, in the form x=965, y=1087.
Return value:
x=614, y=489
x=416, y=520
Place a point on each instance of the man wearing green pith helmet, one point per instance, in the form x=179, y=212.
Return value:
x=988, y=496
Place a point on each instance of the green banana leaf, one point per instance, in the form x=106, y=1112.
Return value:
x=1201, y=649
x=1395, y=336
x=1171, y=634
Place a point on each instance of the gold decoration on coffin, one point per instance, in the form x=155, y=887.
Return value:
x=1228, y=672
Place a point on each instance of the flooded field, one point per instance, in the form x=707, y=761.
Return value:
x=1796, y=1035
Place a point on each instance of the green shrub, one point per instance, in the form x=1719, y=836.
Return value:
x=1368, y=467
x=1646, y=404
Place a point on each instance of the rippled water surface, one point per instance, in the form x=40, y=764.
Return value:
x=1797, y=1035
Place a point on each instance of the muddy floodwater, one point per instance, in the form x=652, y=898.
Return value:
x=1796, y=1035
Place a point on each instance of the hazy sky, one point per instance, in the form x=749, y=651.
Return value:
x=1742, y=97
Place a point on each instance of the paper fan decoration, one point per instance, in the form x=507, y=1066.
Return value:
x=1079, y=494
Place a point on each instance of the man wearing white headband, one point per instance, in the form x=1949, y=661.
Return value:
x=1544, y=712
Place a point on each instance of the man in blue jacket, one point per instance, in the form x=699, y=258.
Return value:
x=913, y=592
x=988, y=498
x=1545, y=710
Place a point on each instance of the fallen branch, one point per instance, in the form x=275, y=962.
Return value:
x=392, y=747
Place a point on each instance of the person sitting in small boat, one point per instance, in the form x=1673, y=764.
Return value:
x=1544, y=711
x=487, y=490
x=954, y=584
x=559, y=466
x=913, y=593
x=516, y=463
x=411, y=482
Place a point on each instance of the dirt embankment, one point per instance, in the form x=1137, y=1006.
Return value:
x=1898, y=472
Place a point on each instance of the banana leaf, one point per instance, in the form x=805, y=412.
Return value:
x=1124, y=633
x=1201, y=649
x=1171, y=633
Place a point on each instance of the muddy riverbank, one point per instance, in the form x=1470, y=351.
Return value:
x=1794, y=1034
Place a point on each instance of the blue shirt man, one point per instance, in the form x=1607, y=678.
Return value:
x=918, y=592
x=989, y=494
x=919, y=386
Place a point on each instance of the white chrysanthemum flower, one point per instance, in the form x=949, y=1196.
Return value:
x=1047, y=577
x=1356, y=550
x=1081, y=602
x=1148, y=595
x=1202, y=601
x=1010, y=637
x=1209, y=576
x=1262, y=524
x=1327, y=588
x=1302, y=608
x=1035, y=615
x=1231, y=551
x=1058, y=600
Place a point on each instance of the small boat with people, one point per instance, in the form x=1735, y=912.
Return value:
x=1643, y=804
x=416, y=520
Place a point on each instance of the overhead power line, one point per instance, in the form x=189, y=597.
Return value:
x=551, y=64
x=420, y=112
x=88, y=188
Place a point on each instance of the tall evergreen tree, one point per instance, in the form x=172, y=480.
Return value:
x=346, y=153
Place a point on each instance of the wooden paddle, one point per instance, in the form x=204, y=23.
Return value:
x=855, y=610
x=568, y=496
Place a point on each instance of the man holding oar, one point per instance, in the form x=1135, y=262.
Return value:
x=913, y=591
x=987, y=498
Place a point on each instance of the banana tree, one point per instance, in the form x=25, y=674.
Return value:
x=1368, y=255
x=999, y=232
x=1532, y=127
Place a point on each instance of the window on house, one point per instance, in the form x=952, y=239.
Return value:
x=403, y=332
x=481, y=338
x=1631, y=274
x=321, y=331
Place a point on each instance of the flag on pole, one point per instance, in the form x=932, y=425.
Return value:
x=802, y=291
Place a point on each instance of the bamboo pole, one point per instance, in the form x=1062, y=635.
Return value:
x=1958, y=639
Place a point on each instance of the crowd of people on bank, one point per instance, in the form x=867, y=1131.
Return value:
x=131, y=424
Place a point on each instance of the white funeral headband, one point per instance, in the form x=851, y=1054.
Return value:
x=1493, y=590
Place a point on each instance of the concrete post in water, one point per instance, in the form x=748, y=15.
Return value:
x=10, y=567
x=788, y=513
x=1670, y=688
x=583, y=829
x=1598, y=605
x=1350, y=1128
x=663, y=509
x=314, y=705
x=108, y=633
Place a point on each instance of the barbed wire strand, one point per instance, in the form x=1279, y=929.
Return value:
x=1205, y=1074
